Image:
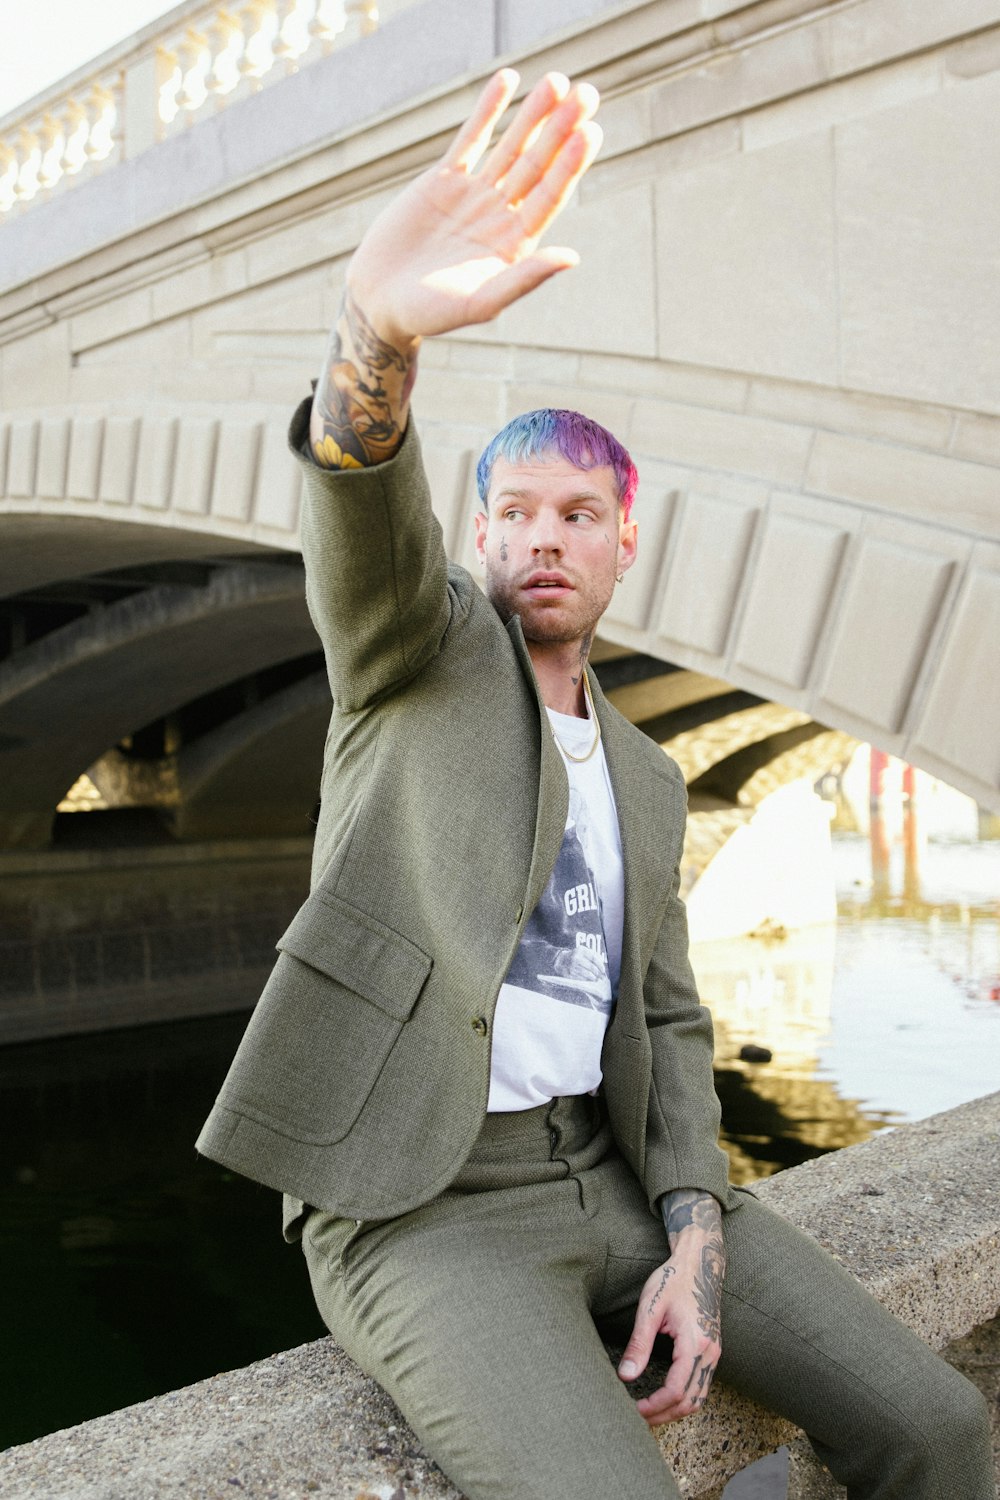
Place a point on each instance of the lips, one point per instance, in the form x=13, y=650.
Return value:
x=547, y=584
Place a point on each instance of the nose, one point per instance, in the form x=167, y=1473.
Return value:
x=546, y=534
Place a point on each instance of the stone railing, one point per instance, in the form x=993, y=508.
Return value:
x=195, y=60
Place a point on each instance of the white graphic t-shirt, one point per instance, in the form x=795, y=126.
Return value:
x=555, y=1003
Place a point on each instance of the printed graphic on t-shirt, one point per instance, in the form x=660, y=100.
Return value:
x=562, y=953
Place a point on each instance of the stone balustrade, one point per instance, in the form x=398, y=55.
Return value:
x=197, y=59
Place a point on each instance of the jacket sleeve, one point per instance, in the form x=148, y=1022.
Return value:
x=376, y=572
x=683, y=1118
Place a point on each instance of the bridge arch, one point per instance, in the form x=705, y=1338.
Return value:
x=873, y=624
x=159, y=648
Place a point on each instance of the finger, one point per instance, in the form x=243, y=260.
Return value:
x=585, y=964
x=560, y=127
x=517, y=280
x=685, y=1388
x=474, y=136
x=635, y=1356
x=662, y=1407
x=549, y=196
x=548, y=92
x=656, y=1409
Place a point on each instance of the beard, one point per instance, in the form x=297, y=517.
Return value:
x=558, y=623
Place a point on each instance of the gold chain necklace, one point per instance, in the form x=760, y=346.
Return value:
x=579, y=759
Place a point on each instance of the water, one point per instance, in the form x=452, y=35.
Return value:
x=891, y=1014
x=130, y=1266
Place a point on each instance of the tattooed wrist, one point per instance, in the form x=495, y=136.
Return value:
x=362, y=397
x=688, y=1209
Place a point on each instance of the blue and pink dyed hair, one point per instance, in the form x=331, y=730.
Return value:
x=582, y=442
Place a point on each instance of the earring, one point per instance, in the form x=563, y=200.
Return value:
x=619, y=577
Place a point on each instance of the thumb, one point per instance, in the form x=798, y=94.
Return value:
x=517, y=280
x=639, y=1347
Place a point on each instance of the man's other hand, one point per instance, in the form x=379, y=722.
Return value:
x=682, y=1299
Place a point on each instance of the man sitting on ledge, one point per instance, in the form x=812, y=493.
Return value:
x=480, y=1072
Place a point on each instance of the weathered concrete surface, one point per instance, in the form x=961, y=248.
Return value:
x=915, y=1212
x=299, y=1424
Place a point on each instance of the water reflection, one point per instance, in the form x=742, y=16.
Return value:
x=778, y=994
x=892, y=1013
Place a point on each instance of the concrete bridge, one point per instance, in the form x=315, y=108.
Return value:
x=788, y=307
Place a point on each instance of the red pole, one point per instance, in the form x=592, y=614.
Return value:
x=878, y=835
x=911, y=839
x=876, y=784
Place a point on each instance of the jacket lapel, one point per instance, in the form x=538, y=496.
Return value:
x=553, y=787
x=644, y=844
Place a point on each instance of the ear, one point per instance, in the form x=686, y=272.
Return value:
x=482, y=520
x=627, y=536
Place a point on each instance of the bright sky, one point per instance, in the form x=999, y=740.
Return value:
x=43, y=40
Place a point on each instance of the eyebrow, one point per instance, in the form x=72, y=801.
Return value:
x=514, y=493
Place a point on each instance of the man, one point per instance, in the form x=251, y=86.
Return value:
x=480, y=1071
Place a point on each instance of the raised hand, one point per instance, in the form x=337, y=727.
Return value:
x=458, y=245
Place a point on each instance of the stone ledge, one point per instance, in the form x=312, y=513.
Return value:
x=914, y=1212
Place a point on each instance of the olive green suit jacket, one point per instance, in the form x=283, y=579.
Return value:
x=362, y=1080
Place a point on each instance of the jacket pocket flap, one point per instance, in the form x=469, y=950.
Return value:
x=358, y=952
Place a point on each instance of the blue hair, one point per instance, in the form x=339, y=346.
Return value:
x=581, y=441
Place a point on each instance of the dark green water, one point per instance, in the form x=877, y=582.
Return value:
x=129, y=1266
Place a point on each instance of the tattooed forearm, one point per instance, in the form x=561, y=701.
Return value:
x=362, y=397
x=687, y=1206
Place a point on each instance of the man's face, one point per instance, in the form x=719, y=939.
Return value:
x=552, y=542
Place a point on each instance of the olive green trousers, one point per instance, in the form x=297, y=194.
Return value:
x=484, y=1314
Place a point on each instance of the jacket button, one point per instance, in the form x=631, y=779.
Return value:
x=479, y=1025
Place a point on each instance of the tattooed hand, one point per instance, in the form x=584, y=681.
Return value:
x=682, y=1299
x=458, y=245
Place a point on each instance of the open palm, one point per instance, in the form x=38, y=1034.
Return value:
x=460, y=244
